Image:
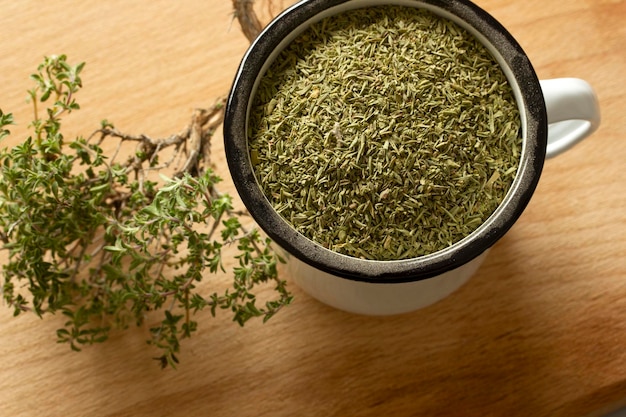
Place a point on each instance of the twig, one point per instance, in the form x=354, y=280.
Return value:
x=245, y=14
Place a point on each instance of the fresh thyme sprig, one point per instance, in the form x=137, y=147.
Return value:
x=106, y=243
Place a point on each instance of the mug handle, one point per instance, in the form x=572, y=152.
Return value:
x=573, y=112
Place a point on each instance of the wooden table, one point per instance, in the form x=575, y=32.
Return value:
x=539, y=331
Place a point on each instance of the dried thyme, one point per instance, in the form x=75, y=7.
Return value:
x=385, y=133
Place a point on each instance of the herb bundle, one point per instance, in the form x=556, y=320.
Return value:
x=385, y=133
x=102, y=240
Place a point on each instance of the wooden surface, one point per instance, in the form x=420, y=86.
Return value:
x=539, y=331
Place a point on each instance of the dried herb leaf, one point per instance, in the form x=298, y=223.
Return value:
x=385, y=133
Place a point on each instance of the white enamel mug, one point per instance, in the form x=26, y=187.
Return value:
x=556, y=114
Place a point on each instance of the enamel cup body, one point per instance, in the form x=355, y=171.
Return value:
x=555, y=115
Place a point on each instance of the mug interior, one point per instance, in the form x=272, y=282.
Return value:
x=526, y=90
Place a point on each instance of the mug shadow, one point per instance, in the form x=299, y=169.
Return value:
x=479, y=347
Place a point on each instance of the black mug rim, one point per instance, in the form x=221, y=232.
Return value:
x=530, y=100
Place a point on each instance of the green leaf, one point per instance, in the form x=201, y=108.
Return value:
x=5, y=120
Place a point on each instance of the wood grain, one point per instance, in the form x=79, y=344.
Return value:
x=539, y=331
